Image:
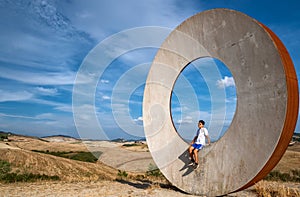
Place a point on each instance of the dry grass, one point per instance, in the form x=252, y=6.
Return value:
x=31, y=143
x=275, y=189
x=23, y=161
x=290, y=161
x=140, y=146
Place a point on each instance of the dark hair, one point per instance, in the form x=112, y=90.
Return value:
x=202, y=122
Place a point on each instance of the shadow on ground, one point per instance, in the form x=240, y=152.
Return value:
x=145, y=184
x=185, y=158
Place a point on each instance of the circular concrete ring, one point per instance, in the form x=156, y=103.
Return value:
x=266, y=111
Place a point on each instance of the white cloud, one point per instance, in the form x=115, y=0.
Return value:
x=14, y=96
x=105, y=97
x=92, y=17
x=139, y=119
x=104, y=81
x=45, y=116
x=38, y=78
x=87, y=123
x=38, y=35
x=16, y=116
x=47, y=91
x=226, y=82
x=39, y=125
x=64, y=108
x=231, y=100
x=186, y=120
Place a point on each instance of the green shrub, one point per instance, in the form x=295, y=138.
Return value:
x=8, y=177
x=296, y=175
x=4, y=168
x=122, y=174
x=153, y=171
x=293, y=176
x=129, y=145
x=84, y=156
x=3, y=136
x=80, y=156
x=26, y=177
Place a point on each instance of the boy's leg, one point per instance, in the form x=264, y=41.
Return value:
x=196, y=155
x=191, y=151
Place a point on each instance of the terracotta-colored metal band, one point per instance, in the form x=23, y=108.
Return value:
x=291, y=111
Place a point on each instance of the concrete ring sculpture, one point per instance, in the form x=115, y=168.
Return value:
x=266, y=111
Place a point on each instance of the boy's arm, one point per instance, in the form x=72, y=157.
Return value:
x=208, y=139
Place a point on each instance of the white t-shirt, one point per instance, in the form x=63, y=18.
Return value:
x=201, y=133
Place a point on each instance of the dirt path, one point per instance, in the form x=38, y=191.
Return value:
x=104, y=188
x=132, y=158
x=126, y=160
x=85, y=189
x=5, y=146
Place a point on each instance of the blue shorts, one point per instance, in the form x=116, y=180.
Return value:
x=197, y=146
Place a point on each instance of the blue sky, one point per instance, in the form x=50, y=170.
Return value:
x=45, y=45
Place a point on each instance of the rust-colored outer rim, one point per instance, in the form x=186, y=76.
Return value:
x=291, y=110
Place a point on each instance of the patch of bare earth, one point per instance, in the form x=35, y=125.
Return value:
x=99, y=188
x=290, y=160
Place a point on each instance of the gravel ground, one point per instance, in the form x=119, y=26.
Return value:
x=100, y=188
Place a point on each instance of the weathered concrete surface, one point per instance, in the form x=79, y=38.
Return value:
x=266, y=111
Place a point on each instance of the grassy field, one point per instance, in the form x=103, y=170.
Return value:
x=70, y=161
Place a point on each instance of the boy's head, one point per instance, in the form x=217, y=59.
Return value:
x=201, y=123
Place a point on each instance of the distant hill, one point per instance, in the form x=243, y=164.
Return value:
x=65, y=136
x=45, y=138
x=59, y=138
x=8, y=133
x=119, y=140
x=5, y=132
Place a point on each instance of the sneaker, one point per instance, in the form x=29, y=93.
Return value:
x=192, y=162
x=196, y=165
